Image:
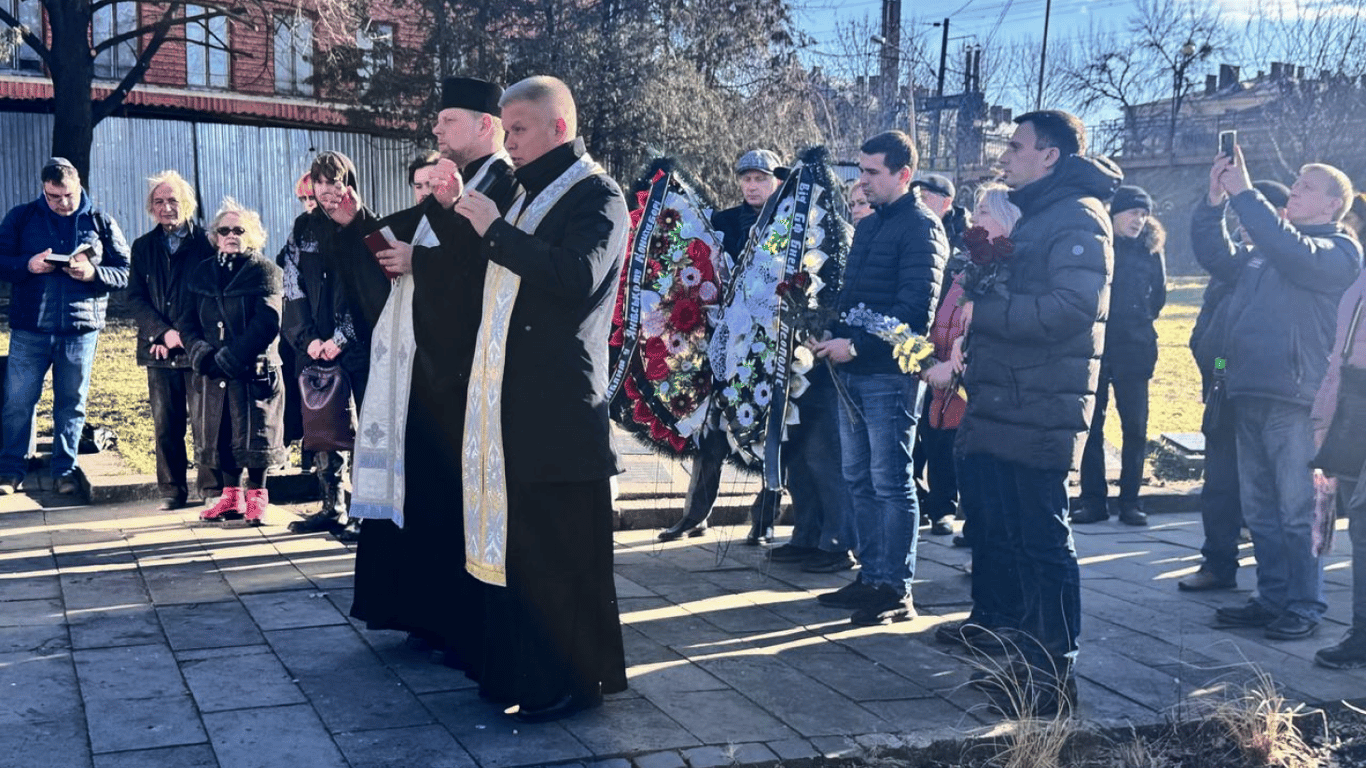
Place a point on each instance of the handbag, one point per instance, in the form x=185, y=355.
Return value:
x=325, y=407
x=1343, y=452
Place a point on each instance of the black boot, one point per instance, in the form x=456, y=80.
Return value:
x=684, y=527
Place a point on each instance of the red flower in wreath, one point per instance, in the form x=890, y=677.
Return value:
x=656, y=349
x=632, y=391
x=660, y=433
x=669, y=219
x=686, y=316
x=636, y=216
x=641, y=413
x=618, y=337
x=660, y=244
x=699, y=253
x=641, y=197
x=680, y=404
x=656, y=369
x=801, y=280
x=677, y=442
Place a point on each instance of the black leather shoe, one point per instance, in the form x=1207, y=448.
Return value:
x=759, y=536
x=1091, y=512
x=1205, y=581
x=563, y=707
x=174, y=502
x=1290, y=626
x=1132, y=514
x=791, y=553
x=830, y=562
x=853, y=596
x=1250, y=614
x=684, y=527
x=318, y=522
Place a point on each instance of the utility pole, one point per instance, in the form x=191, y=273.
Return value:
x=939, y=93
x=1043, y=53
x=891, y=59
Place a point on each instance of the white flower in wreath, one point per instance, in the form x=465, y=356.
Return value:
x=649, y=301
x=802, y=359
x=813, y=260
x=731, y=394
x=691, y=226
x=664, y=388
x=665, y=283
x=763, y=393
x=690, y=276
x=785, y=208
x=707, y=291
x=744, y=373
x=770, y=364
x=653, y=323
x=744, y=415
x=677, y=343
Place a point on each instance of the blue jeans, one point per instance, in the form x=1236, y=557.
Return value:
x=820, y=498
x=997, y=602
x=1275, y=446
x=30, y=356
x=1023, y=516
x=875, y=444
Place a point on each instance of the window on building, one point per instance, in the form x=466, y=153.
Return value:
x=206, y=57
x=375, y=40
x=293, y=55
x=14, y=54
x=109, y=21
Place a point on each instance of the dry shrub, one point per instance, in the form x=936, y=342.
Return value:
x=1261, y=723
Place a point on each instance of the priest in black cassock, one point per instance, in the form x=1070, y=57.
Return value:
x=538, y=455
x=410, y=573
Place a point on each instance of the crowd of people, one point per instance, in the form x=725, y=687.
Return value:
x=470, y=335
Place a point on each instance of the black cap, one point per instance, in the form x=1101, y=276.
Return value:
x=1129, y=197
x=472, y=94
x=1275, y=192
x=937, y=183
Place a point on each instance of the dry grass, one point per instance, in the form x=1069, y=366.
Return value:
x=1261, y=722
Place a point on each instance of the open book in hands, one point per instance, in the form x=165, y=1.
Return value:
x=64, y=259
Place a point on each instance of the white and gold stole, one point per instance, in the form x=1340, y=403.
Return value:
x=378, y=472
x=484, y=474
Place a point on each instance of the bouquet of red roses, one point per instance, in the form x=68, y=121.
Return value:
x=988, y=266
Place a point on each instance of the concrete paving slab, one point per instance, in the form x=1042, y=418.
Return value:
x=193, y=582
x=428, y=746
x=114, y=625
x=23, y=586
x=119, y=725
x=807, y=706
x=291, y=610
x=57, y=741
x=42, y=721
x=627, y=726
x=40, y=640
x=251, y=738
x=496, y=740
x=345, y=681
x=853, y=676
x=712, y=716
x=678, y=675
x=238, y=678
x=208, y=625
x=197, y=756
x=102, y=588
x=419, y=670
x=131, y=672
x=31, y=613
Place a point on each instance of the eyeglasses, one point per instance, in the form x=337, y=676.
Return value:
x=225, y=231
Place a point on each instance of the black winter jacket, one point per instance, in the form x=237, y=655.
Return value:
x=1034, y=356
x=1138, y=291
x=1283, y=310
x=156, y=289
x=895, y=267
x=236, y=325
x=734, y=225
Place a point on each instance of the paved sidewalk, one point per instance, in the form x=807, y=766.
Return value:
x=131, y=638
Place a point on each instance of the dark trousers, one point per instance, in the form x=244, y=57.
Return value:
x=1023, y=516
x=820, y=498
x=940, y=500
x=1131, y=400
x=1220, y=506
x=214, y=479
x=169, y=391
x=705, y=483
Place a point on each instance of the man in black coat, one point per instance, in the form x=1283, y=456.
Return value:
x=894, y=268
x=412, y=578
x=1137, y=294
x=1033, y=363
x=538, y=452
x=161, y=259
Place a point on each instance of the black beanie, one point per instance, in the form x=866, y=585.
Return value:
x=1275, y=192
x=1128, y=198
x=472, y=94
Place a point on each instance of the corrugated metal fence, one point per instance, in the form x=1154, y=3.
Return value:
x=256, y=165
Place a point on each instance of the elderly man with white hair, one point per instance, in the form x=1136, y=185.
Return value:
x=538, y=453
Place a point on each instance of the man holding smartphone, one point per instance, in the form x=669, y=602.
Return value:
x=1286, y=285
x=55, y=315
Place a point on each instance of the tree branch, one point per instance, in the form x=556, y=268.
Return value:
x=30, y=39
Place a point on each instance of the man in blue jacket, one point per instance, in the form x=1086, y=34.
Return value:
x=55, y=314
x=894, y=268
x=1282, y=316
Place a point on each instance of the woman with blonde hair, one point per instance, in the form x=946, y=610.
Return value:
x=231, y=329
